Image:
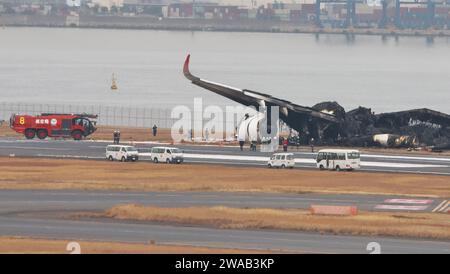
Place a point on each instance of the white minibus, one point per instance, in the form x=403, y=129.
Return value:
x=338, y=159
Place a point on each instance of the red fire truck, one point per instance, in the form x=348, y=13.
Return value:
x=76, y=126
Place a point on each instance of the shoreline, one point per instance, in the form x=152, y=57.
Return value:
x=245, y=26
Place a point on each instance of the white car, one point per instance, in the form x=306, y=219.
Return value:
x=122, y=153
x=167, y=155
x=282, y=160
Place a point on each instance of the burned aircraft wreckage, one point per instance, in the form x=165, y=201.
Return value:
x=328, y=123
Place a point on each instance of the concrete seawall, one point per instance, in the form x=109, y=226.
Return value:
x=187, y=24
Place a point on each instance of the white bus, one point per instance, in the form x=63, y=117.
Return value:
x=338, y=159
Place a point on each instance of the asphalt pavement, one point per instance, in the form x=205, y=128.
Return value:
x=59, y=200
x=43, y=214
x=265, y=240
x=377, y=162
x=35, y=213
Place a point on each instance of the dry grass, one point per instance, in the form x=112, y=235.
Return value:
x=132, y=134
x=417, y=225
x=106, y=133
x=43, y=246
x=5, y=131
x=127, y=134
x=32, y=173
x=141, y=134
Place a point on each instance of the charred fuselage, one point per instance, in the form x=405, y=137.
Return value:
x=408, y=128
x=328, y=122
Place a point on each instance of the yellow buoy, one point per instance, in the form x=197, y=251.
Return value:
x=113, y=84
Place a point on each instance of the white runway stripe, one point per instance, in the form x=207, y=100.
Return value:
x=399, y=165
x=406, y=157
x=36, y=148
x=401, y=207
x=297, y=160
x=445, y=207
x=408, y=201
x=439, y=206
x=401, y=157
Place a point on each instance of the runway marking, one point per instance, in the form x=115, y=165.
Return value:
x=445, y=208
x=406, y=171
x=224, y=163
x=247, y=163
x=406, y=157
x=439, y=206
x=70, y=156
x=168, y=195
x=407, y=201
x=308, y=163
x=401, y=207
x=399, y=165
x=36, y=148
x=297, y=160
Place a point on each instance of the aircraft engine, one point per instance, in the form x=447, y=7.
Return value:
x=248, y=129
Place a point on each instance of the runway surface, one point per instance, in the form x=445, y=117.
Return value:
x=199, y=236
x=38, y=214
x=53, y=200
x=222, y=155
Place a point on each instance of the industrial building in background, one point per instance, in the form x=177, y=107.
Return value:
x=398, y=14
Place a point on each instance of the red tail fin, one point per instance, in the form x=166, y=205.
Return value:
x=186, y=66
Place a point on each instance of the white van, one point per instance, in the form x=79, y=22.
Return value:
x=282, y=160
x=122, y=153
x=338, y=159
x=167, y=154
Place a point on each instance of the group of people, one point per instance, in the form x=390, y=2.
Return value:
x=283, y=141
x=116, y=134
x=253, y=143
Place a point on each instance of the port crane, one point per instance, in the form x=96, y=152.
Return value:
x=351, y=11
x=351, y=16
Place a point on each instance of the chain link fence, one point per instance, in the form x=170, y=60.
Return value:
x=107, y=115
